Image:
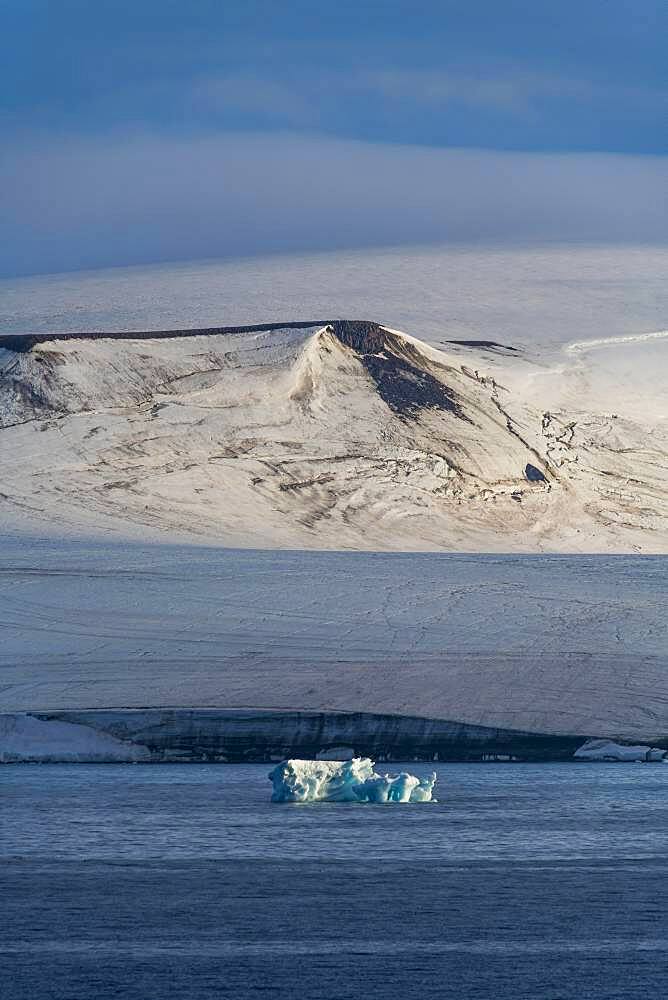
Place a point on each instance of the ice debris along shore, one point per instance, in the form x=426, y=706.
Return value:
x=603, y=750
x=346, y=781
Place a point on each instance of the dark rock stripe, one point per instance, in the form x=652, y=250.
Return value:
x=256, y=735
x=24, y=342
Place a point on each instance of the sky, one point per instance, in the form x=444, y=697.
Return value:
x=163, y=130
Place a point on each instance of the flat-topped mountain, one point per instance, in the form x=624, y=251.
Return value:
x=341, y=434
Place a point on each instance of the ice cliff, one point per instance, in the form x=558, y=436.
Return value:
x=346, y=781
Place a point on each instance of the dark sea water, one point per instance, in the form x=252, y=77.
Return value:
x=152, y=882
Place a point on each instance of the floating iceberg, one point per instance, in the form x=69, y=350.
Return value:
x=346, y=781
x=609, y=750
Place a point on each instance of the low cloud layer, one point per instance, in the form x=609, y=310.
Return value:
x=136, y=198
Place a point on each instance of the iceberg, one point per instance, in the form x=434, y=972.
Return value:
x=346, y=781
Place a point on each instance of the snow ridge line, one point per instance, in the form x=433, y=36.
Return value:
x=23, y=342
x=635, y=338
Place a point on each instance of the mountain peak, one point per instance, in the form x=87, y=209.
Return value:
x=406, y=379
x=327, y=435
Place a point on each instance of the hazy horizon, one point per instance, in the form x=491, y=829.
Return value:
x=538, y=294
x=142, y=133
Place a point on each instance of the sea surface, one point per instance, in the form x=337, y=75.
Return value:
x=545, y=882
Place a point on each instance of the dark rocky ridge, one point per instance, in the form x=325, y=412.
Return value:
x=257, y=735
x=400, y=372
x=361, y=335
x=403, y=376
x=24, y=342
x=484, y=345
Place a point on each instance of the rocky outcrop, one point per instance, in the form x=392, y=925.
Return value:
x=23, y=343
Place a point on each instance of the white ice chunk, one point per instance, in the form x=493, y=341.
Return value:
x=29, y=738
x=609, y=750
x=346, y=781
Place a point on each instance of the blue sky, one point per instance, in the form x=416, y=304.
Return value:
x=95, y=95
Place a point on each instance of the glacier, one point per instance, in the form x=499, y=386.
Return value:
x=346, y=781
x=160, y=646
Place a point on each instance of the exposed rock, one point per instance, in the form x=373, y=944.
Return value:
x=195, y=735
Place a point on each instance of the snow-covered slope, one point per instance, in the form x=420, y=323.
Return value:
x=337, y=435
